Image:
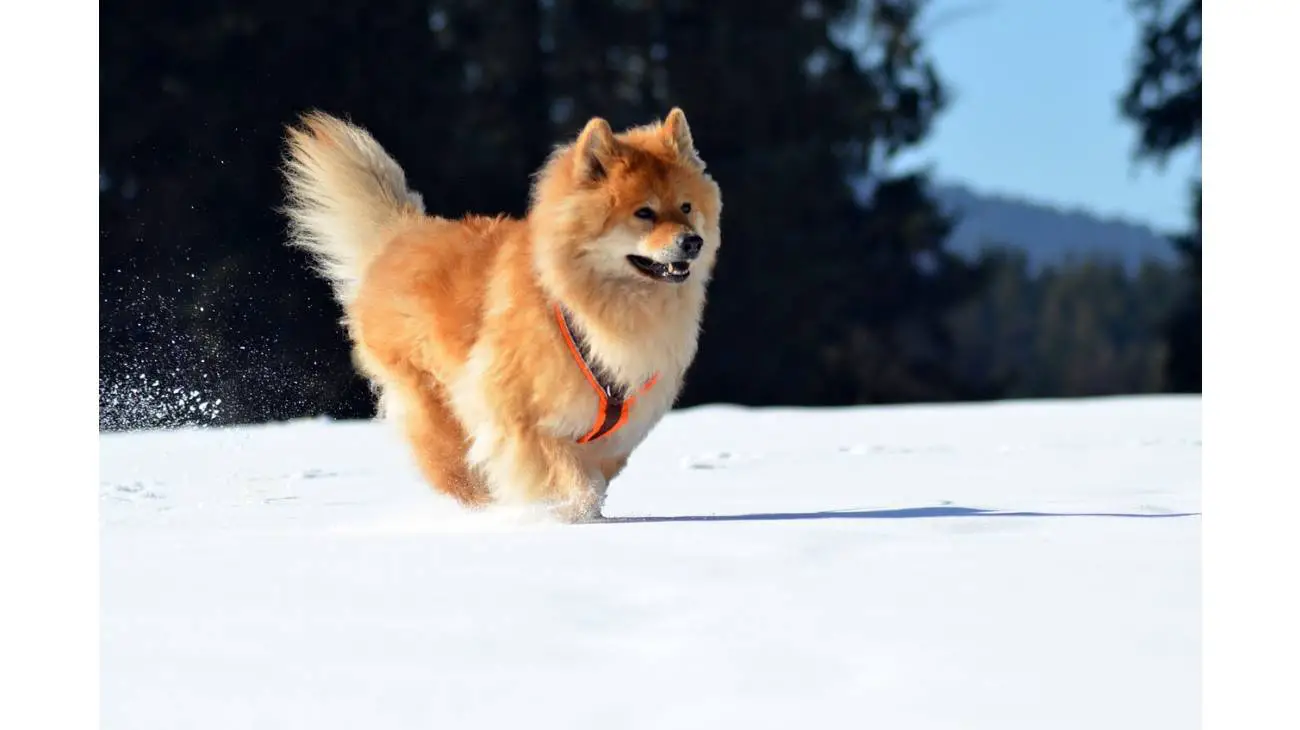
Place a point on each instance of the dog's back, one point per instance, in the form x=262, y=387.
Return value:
x=423, y=297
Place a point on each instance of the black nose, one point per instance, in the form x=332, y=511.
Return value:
x=691, y=243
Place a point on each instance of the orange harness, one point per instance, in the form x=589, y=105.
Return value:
x=615, y=402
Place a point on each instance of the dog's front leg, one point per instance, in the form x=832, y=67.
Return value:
x=533, y=467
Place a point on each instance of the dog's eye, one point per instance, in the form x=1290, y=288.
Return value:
x=686, y=208
x=645, y=213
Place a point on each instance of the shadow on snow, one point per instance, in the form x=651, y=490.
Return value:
x=910, y=513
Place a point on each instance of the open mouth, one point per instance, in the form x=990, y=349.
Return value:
x=674, y=272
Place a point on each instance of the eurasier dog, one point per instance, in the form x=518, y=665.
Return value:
x=524, y=359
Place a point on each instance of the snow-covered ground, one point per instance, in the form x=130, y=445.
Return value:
x=1006, y=566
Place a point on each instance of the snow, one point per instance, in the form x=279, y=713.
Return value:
x=1004, y=566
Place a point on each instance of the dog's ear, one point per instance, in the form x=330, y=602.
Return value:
x=678, y=133
x=594, y=150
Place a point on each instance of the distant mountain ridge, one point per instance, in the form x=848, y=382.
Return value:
x=1049, y=235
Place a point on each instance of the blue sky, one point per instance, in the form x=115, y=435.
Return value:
x=1034, y=114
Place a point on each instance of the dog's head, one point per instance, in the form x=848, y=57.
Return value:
x=635, y=207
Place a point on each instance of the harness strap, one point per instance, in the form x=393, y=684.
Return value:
x=615, y=403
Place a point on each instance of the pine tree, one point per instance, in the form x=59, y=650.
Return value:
x=1164, y=101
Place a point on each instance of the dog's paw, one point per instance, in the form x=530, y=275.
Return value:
x=582, y=508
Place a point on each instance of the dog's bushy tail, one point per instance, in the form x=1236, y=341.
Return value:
x=346, y=197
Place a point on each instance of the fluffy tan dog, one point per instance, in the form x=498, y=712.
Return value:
x=524, y=359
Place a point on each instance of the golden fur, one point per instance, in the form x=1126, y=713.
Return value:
x=452, y=320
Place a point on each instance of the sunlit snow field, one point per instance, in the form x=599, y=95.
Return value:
x=1003, y=566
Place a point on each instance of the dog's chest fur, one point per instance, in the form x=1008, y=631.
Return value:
x=661, y=355
x=578, y=415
